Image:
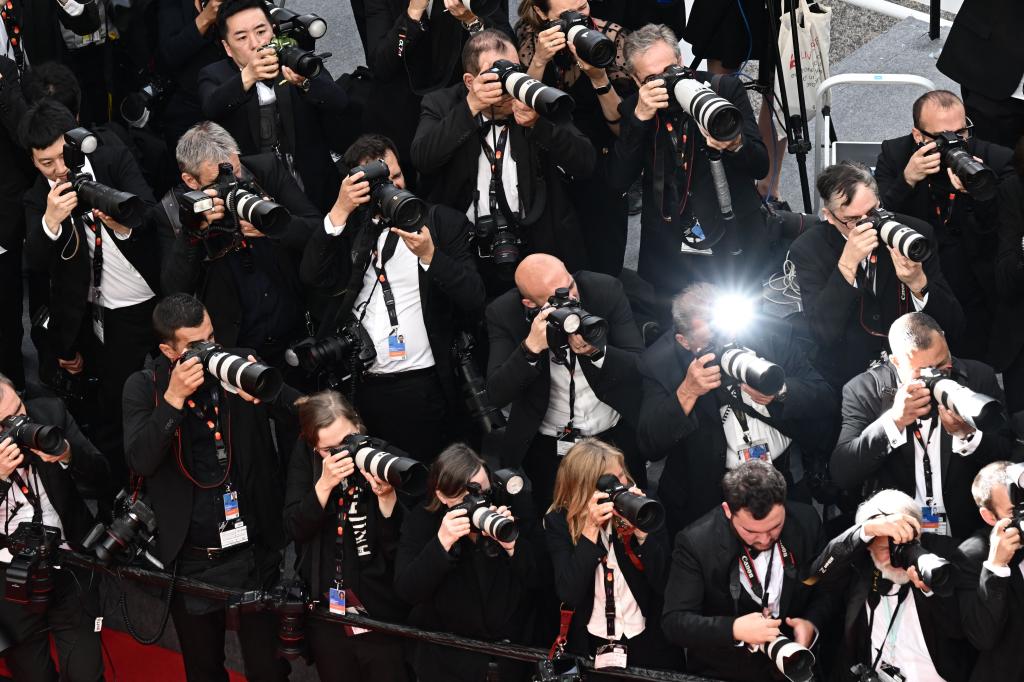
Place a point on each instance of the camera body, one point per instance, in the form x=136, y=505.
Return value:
x=592, y=46
x=716, y=116
x=255, y=378
x=132, y=532
x=289, y=600
x=399, y=207
x=934, y=571
x=569, y=317
x=306, y=63
x=741, y=365
x=352, y=343
x=375, y=456
x=125, y=208
x=496, y=238
x=138, y=106
x=27, y=434
x=29, y=580
x=976, y=177
x=547, y=101
x=645, y=513
x=908, y=241
x=982, y=412
x=477, y=504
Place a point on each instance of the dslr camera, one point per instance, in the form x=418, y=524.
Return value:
x=1015, y=484
x=27, y=434
x=715, y=115
x=982, y=412
x=477, y=504
x=569, y=317
x=138, y=106
x=289, y=600
x=124, y=207
x=934, y=571
x=909, y=242
x=29, y=580
x=547, y=101
x=885, y=673
x=591, y=45
x=496, y=238
x=976, y=177
x=255, y=378
x=295, y=35
x=352, y=345
x=380, y=459
x=131, y=534
x=645, y=513
x=399, y=207
x=740, y=365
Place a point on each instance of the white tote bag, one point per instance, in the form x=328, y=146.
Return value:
x=814, y=22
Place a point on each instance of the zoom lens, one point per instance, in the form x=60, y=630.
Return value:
x=125, y=208
x=977, y=409
x=400, y=207
x=908, y=241
x=715, y=115
x=976, y=177
x=302, y=62
x=501, y=528
x=592, y=46
x=547, y=101
x=255, y=378
x=744, y=365
x=267, y=216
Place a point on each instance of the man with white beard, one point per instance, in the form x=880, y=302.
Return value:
x=896, y=626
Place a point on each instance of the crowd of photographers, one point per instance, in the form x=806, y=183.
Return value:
x=365, y=346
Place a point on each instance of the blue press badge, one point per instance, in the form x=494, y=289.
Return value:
x=230, y=505
x=337, y=601
x=755, y=451
x=396, y=346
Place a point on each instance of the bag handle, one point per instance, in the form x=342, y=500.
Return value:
x=565, y=620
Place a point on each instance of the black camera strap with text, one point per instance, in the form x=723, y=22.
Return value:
x=609, y=594
x=390, y=244
x=926, y=461
x=761, y=591
x=497, y=200
x=211, y=418
x=572, y=393
x=30, y=495
x=874, y=599
x=91, y=224
x=13, y=27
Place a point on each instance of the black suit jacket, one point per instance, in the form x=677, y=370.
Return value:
x=846, y=562
x=632, y=14
x=18, y=172
x=838, y=313
x=695, y=444
x=70, y=279
x=992, y=609
x=447, y=148
x=153, y=449
x=185, y=268
x=304, y=117
x=863, y=461
x=992, y=28
x=1008, y=334
x=39, y=25
x=704, y=595
x=526, y=388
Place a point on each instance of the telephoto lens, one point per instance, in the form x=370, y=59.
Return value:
x=643, y=512
x=303, y=62
x=977, y=178
x=255, y=378
x=266, y=216
x=549, y=102
x=745, y=366
x=124, y=207
x=380, y=459
x=794, y=661
x=934, y=571
x=399, y=207
x=592, y=46
x=484, y=519
x=982, y=412
x=908, y=241
x=313, y=355
x=715, y=115
x=26, y=433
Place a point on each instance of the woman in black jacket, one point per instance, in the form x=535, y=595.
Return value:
x=327, y=505
x=459, y=579
x=580, y=527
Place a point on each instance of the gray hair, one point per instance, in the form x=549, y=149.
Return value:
x=913, y=331
x=694, y=303
x=886, y=502
x=839, y=182
x=644, y=38
x=202, y=143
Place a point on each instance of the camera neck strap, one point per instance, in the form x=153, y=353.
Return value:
x=609, y=596
x=211, y=418
x=13, y=27
x=874, y=598
x=89, y=223
x=759, y=589
x=30, y=495
x=571, y=366
x=497, y=201
x=384, y=255
x=926, y=460
x=347, y=499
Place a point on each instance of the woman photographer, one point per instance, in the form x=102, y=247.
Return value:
x=549, y=56
x=327, y=505
x=580, y=527
x=459, y=579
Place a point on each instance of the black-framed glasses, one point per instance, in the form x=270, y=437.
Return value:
x=964, y=132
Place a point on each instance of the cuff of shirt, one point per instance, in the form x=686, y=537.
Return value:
x=73, y=8
x=919, y=304
x=966, y=446
x=331, y=229
x=122, y=237
x=865, y=538
x=896, y=437
x=51, y=235
x=999, y=571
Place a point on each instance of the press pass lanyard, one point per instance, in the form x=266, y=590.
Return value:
x=497, y=200
x=13, y=28
x=609, y=594
x=874, y=599
x=926, y=461
x=390, y=244
x=30, y=495
x=345, y=498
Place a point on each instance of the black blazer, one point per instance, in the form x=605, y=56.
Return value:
x=185, y=268
x=632, y=14
x=151, y=446
x=862, y=461
x=526, y=388
x=1008, y=334
x=182, y=50
x=447, y=145
x=70, y=279
x=310, y=525
x=304, y=117
x=575, y=565
x=992, y=28
x=846, y=562
x=39, y=23
x=18, y=172
x=704, y=595
x=645, y=147
x=837, y=312
x=695, y=444
x=992, y=609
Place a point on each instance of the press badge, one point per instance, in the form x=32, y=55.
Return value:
x=756, y=450
x=396, y=345
x=610, y=656
x=230, y=505
x=232, y=530
x=697, y=232
x=933, y=520
x=336, y=599
x=566, y=441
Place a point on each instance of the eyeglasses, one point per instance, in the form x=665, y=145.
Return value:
x=848, y=222
x=964, y=132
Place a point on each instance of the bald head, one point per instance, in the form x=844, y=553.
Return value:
x=538, y=276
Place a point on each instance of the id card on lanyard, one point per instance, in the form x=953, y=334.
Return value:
x=933, y=514
x=569, y=434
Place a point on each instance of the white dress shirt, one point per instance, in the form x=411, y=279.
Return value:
x=905, y=647
x=265, y=94
x=17, y=500
x=121, y=285
x=629, y=620
x=590, y=415
x=757, y=431
x=509, y=177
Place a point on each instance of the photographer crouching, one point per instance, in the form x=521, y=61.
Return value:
x=346, y=521
x=197, y=428
x=902, y=620
x=466, y=564
x=42, y=457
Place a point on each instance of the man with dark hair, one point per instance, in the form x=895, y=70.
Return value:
x=43, y=486
x=103, y=273
x=915, y=177
x=896, y=435
x=215, y=481
x=403, y=287
x=853, y=285
x=736, y=576
x=501, y=163
x=266, y=106
x=704, y=423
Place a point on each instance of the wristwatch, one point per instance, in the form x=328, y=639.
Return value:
x=474, y=26
x=604, y=89
x=923, y=292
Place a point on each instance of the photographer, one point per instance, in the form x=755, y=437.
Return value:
x=991, y=622
x=430, y=278
x=895, y=433
x=555, y=60
x=916, y=177
x=104, y=275
x=712, y=605
x=47, y=488
x=704, y=427
x=215, y=481
x=853, y=284
x=268, y=107
x=895, y=624
x=591, y=544
x=558, y=395
x=470, y=128
x=461, y=580
x=347, y=520
x=657, y=138
x=247, y=279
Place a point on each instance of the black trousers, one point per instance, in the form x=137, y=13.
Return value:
x=369, y=656
x=12, y=329
x=407, y=409
x=69, y=618
x=999, y=121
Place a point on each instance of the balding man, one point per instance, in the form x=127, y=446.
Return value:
x=558, y=396
x=895, y=436
x=914, y=179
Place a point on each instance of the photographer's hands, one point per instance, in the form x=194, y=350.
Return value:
x=336, y=468
x=454, y=525
x=186, y=378
x=699, y=380
x=1004, y=541
x=11, y=457
x=913, y=400
x=262, y=67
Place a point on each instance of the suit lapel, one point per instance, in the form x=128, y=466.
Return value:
x=286, y=114
x=252, y=112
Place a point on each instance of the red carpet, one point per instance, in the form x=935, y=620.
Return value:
x=133, y=662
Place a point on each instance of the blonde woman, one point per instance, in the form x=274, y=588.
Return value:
x=595, y=551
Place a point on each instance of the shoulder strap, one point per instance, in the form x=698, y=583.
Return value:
x=169, y=203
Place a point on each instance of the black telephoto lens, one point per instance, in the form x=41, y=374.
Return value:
x=934, y=571
x=125, y=208
x=302, y=62
x=400, y=207
x=643, y=512
x=593, y=47
x=977, y=178
x=266, y=216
